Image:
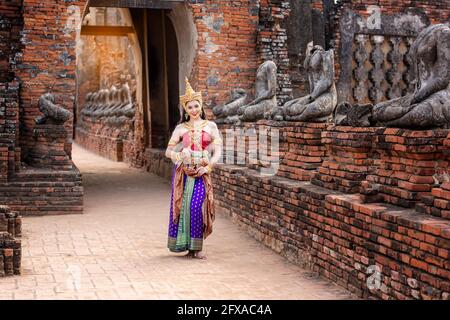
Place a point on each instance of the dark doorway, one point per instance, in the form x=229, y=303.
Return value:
x=163, y=80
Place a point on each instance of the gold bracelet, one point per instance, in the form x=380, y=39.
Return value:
x=172, y=142
x=175, y=156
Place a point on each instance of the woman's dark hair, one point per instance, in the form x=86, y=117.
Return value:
x=183, y=114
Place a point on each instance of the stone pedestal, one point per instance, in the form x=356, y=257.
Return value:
x=301, y=149
x=349, y=160
x=49, y=148
x=411, y=163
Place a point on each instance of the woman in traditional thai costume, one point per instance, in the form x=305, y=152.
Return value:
x=195, y=146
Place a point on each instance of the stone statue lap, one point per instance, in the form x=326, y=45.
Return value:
x=230, y=109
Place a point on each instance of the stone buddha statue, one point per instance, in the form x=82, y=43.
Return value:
x=91, y=101
x=319, y=105
x=265, y=100
x=128, y=107
x=114, y=102
x=103, y=102
x=238, y=99
x=429, y=105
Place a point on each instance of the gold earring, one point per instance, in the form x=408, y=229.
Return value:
x=186, y=116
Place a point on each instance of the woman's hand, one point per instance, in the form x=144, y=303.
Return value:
x=201, y=171
x=191, y=172
x=204, y=162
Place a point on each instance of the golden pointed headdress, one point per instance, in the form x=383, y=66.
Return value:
x=190, y=95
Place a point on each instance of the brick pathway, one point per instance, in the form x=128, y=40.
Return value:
x=117, y=250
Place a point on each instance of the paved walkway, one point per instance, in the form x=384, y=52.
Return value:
x=117, y=250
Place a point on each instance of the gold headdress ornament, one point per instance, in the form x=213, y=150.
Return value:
x=190, y=95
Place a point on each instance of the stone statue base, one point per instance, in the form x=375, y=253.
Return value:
x=301, y=149
x=349, y=158
x=49, y=148
x=411, y=164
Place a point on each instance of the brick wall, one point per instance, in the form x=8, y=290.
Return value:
x=338, y=234
x=10, y=27
x=272, y=43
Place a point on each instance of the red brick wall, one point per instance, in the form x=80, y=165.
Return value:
x=272, y=43
x=11, y=16
x=340, y=236
x=226, y=57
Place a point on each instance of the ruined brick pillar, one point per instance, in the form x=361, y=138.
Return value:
x=10, y=246
x=9, y=130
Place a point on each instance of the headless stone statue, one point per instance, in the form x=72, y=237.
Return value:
x=114, y=102
x=89, y=106
x=322, y=100
x=266, y=100
x=128, y=107
x=53, y=113
x=103, y=103
x=238, y=99
x=88, y=101
x=429, y=105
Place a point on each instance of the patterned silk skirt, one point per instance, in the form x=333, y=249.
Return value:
x=187, y=234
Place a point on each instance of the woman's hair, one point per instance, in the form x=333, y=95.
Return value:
x=183, y=114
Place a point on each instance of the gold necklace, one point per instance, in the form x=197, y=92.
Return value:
x=196, y=134
x=195, y=126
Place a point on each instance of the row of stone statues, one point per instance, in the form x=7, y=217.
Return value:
x=427, y=107
x=114, y=105
x=316, y=107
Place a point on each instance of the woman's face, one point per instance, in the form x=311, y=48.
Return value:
x=193, y=109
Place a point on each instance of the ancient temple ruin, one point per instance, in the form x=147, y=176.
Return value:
x=348, y=195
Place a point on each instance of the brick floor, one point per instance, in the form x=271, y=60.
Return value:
x=117, y=250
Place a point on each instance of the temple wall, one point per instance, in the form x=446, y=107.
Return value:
x=329, y=227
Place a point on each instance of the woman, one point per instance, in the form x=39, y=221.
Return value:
x=192, y=204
